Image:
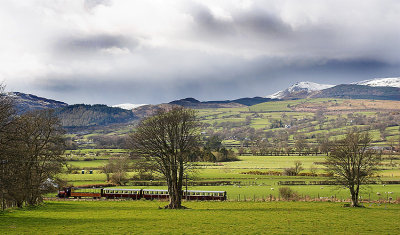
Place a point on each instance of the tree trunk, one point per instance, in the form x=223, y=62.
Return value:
x=354, y=197
x=175, y=196
x=175, y=189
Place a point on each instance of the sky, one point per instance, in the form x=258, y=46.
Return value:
x=149, y=52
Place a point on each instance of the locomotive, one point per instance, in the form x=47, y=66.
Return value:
x=136, y=194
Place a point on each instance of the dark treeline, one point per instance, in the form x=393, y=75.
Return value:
x=82, y=115
x=31, y=154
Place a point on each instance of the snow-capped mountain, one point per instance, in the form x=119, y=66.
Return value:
x=127, y=106
x=380, y=82
x=299, y=89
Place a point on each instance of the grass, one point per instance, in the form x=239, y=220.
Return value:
x=260, y=184
x=85, y=164
x=144, y=217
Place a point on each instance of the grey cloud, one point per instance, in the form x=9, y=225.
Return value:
x=94, y=43
x=253, y=21
x=240, y=78
x=255, y=51
x=90, y=4
x=263, y=23
x=207, y=23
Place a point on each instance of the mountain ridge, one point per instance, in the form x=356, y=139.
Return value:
x=355, y=90
x=25, y=102
x=298, y=90
x=380, y=82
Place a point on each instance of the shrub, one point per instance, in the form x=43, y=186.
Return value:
x=290, y=171
x=119, y=178
x=261, y=173
x=288, y=193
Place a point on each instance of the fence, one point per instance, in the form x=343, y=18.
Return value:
x=307, y=198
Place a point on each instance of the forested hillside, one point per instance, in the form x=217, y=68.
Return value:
x=82, y=115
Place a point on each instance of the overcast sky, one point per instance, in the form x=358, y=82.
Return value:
x=142, y=51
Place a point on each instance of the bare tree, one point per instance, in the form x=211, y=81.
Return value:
x=38, y=146
x=32, y=153
x=116, y=170
x=6, y=117
x=293, y=171
x=352, y=163
x=108, y=169
x=169, y=137
x=300, y=144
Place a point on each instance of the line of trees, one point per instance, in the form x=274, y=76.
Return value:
x=31, y=154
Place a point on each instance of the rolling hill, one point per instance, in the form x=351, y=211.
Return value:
x=82, y=115
x=27, y=102
x=352, y=91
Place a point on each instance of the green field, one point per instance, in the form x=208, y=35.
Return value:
x=250, y=186
x=144, y=217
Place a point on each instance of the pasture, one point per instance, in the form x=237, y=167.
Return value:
x=144, y=217
x=258, y=187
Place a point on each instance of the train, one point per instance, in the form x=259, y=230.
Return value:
x=137, y=194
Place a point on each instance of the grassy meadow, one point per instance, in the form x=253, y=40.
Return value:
x=258, y=187
x=144, y=217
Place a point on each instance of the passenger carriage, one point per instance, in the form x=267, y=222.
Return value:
x=204, y=195
x=155, y=194
x=110, y=193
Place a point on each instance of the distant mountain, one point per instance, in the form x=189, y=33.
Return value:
x=299, y=90
x=83, y=115
x=242, y=102
x=26, y=102
x=128, y=106
x=352, y=91
x=148, y=110
x=381, y=82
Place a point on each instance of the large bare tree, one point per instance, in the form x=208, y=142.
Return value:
x=6, y=117
x=32, y=156
x=353, y=162
x=168, y=137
